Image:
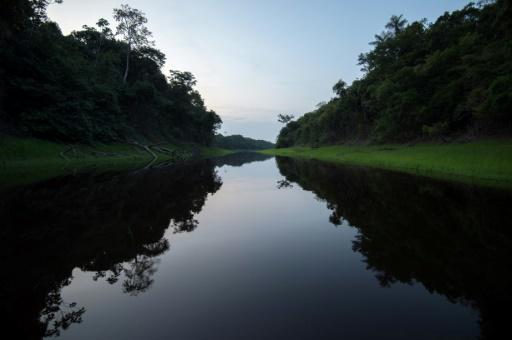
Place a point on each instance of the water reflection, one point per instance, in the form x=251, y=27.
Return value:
x=238, y=159
x=267, y=264
x=110, y=224
x=453, y=239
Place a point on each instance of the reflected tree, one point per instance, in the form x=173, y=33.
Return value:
x=284, y=184
x=238, y=159
x=58, y=315
x=138, y=274
x=110, y=224
x=452, y=238
x=186, y=225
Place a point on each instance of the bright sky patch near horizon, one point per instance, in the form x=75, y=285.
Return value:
x=256, y=59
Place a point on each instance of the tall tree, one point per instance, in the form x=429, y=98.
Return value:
x=284, y=119
x=132, y=27
x=182, y=80
x=340, y=88
x=396, y=24
x=40, y=7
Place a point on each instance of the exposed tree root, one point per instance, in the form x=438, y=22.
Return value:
x=146, y=148
x=63, y=153
x=150, y=149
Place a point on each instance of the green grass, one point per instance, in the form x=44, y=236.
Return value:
x=24, y=161
x=487, y=162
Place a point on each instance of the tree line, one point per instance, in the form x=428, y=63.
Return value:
x=98, y=84
x=422, y=81
x=239, y=142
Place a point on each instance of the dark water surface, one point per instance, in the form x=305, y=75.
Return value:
x=250, y=247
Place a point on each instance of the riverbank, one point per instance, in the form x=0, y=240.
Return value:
x=28, y=160
x=487, y=162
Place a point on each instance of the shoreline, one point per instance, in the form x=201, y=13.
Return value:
x=28, y=160
x=484, y=162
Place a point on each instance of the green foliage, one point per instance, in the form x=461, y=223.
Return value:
x=70, y=88
x=238, y=142
x=422, y=81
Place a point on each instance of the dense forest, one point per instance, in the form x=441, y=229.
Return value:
x=422, y=81
x=98, y=84
x=238, y=142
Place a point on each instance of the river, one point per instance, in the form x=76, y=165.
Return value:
x=254, y=247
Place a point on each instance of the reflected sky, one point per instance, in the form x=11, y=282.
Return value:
x=264, y=263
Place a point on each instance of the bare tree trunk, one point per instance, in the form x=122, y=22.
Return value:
x=127, y=65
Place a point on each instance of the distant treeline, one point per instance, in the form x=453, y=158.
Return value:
x=238, y=142
x=423, y=80
x=96, y=84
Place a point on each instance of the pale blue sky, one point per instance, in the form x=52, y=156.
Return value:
x=255, y=59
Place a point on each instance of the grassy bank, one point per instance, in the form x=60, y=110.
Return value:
x=486, y=162
x=29, y=160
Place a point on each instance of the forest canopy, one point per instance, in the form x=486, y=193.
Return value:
x=422, y=81
x=98, y=84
